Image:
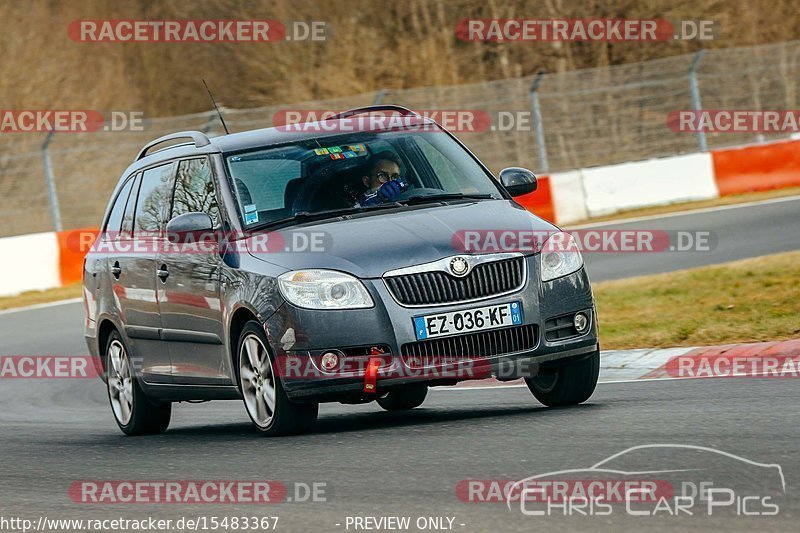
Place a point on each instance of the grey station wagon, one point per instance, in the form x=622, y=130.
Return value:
x=345, y=260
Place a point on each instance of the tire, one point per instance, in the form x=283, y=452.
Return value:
x=570, y=384
x=265, y=401
x=134, y=412
x=404, y=398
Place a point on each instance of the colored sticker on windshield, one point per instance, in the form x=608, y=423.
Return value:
x=344, y=151
x=250, y=214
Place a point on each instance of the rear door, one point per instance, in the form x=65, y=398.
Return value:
x=133, y=267
x=188, y=289
x=98, y=280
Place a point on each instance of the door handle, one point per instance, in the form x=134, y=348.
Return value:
x=116, y=270
x=163, y=273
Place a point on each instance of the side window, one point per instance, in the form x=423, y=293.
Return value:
x=194, y=190
x=126, y=231
x=154, y=194
x=115, y=217
x=262, y=183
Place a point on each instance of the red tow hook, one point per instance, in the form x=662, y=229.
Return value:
x=371, y=374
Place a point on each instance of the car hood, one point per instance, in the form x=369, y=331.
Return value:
x=369, y=245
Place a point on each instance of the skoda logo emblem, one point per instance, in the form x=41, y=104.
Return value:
x=458, y=266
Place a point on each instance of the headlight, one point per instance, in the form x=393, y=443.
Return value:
x=560, y=256
x=323, y=289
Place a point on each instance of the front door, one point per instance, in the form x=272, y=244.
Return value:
x=188, y=286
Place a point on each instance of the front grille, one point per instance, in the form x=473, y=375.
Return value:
x=432, y=288
x=483, y=343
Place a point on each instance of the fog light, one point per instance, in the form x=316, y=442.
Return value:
x=329, y=361
x=581, y=322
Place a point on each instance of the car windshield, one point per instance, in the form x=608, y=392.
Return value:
x=315, y=177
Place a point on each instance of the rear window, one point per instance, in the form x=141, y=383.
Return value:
x=126, y=231
x=115, y=217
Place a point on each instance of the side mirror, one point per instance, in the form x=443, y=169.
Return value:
x=180, y=227
x=517, y=180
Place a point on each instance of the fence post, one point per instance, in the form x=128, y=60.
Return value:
x=695, y=90
x=212, y=119
x=50, y=181
x=537, y=123
x=379, y=97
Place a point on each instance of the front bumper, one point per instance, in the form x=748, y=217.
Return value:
x=300, y=336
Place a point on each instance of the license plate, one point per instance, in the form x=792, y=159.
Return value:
x=468, y=320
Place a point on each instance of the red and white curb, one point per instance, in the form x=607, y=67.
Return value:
x=778, y=359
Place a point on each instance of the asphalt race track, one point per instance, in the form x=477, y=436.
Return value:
x=736, y=232
x=56, y=432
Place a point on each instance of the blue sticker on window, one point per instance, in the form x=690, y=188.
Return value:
x=250, y=208
x=251, y=218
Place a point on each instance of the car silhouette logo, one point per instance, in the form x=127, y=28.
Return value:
x=459, y=266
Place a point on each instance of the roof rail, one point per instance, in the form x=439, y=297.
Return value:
x=200, y=139
x=361, y=110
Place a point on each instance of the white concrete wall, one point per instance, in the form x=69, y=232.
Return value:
x=29, y=262
x=569, y=200
x=644, y=183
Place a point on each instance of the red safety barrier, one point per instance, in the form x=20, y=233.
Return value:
x=72, y=248
x=540, y=201
x=757, y=168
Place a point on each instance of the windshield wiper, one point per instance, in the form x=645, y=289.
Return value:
x=448, y=196
x=305, y=216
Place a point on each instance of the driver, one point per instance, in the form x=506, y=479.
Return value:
x=383, y=180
